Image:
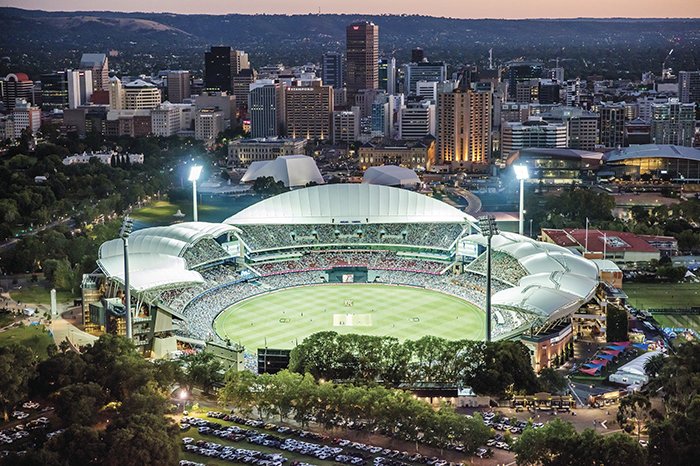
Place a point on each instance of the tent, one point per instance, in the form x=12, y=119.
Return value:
x=590, y=365
x=602, y=362
x=641, y=346
x=612, y=352
x=590, y=371
x=608, y=357
x=615, y=347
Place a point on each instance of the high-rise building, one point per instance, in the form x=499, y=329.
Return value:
x=26, y=117
x=266, y=108
x=417, y=55
x=521, y=71
x=464, y=128
x=178, y=86
x=673, y=123
x=17, y=86
x=423, y=71
x=533, y=133
x=116, y=94
x=689, y=86
x=527, y=91
x=140, y=95
x=54, y=91
x=241, y=86
x=332, y=69
x=417, y=120
x=346, y=126
x=549, y=90
x=208, y=123
x=362, y=55
x=612, y=124
x=387, y=75
x=80, y=89
x=220, y=65
x=219, y=101
x=308, y=111
x=427, y=90
x=166, y=120
x=582, y=125
x=98, y=64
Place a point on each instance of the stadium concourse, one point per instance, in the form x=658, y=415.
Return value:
x=344, y=233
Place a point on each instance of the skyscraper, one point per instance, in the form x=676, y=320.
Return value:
x=54, y=91
x=423, y=71
x=178, y=86
x=99, y=65
x=220, y=65
x=463, y=127
x=332, y=69
x=266, y=108
x=387, y=75
x=521, y=71
x=612, y=124
x=689, y=86
x=309, y=110
x=17, y=86
x=362, y=42
x=673, y=123
x=79, y=87
x=417, y=55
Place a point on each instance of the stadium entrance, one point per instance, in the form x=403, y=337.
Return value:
x=347, y=275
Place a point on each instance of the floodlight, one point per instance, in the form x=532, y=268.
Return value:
x=521, y=172
x=195, y=171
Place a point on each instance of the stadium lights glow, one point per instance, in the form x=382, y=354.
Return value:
x=488, y=227
x=522, y=174
x=195, y=172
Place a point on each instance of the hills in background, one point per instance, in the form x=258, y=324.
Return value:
x=34, y=40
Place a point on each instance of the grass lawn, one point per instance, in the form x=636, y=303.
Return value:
x=281, y=319
x=38, y=294
x=679, y=320
x=663, y=295
x=160, y=212
x=33, y=336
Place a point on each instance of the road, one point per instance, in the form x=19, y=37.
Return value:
x=10, y=243
x=473, y=201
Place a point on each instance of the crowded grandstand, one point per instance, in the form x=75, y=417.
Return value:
x=344, y=233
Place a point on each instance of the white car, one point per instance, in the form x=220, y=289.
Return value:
x=187, y=440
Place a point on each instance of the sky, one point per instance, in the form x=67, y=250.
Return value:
x=453, y=8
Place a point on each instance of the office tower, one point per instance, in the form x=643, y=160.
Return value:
x=572, y=92
x=387, y=75
x=521, y=71
x=362, y=57
x=346, y=126
x=417, y=120
x=673, y=123
x=548, y=92
x=533, y=133
x=17, y=86
x=332, y=69
x=54, y=91
x=308, y=111
x=557, y=74
x=98, y=64
x=423, y=71
x=527, y=91
x=208, y=123
x=463, y=127
x=241, y=86
x=240, y=61
x=266, y=108
x=582, y=125
x=612, y=124
x=417, y=55
x=689, y=86
x=220, y=65
x=637, y=132
x=116, y=94
x=178, y=86
x=79, y=87
x=219, y=101
x=644, y=106
x=140, y=95
x=25, y=116
x=427, y=90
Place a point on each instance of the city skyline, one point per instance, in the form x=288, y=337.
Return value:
x=507, y=9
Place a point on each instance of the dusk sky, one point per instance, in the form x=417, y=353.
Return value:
x=452, y=8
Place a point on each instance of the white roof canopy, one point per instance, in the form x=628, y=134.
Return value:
x=546, y=303
x=577, y=285
x=349, y=203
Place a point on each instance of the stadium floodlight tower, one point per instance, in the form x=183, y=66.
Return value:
x=195, y=172
x=124, y=232
x=488, y=227
x=522, y=174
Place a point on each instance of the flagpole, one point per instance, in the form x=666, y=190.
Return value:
x=586, y=245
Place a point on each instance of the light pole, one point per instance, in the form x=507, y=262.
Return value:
x=124, y=232
x=522, y=174
x=195, y=171
x=488, y=227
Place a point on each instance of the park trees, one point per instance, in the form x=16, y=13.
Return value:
x=203, y=370
x=17, y=365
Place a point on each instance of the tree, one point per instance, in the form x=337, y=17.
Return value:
x=79, y=403
x=654, y=365
x=16, y=369
x=79, y=445
x=238, y=390
x=66, y=276
x=140, y=440
x=551, y=380
x=634, y=412
x=61, y=369
x=203, y=370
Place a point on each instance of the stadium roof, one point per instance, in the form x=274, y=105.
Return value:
x=577, y=285
x=559, y=262
x=391, y=175
x=546, y=303
x=154, y=255
x=292, y=170
x=653, y=151
x=348, y=204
